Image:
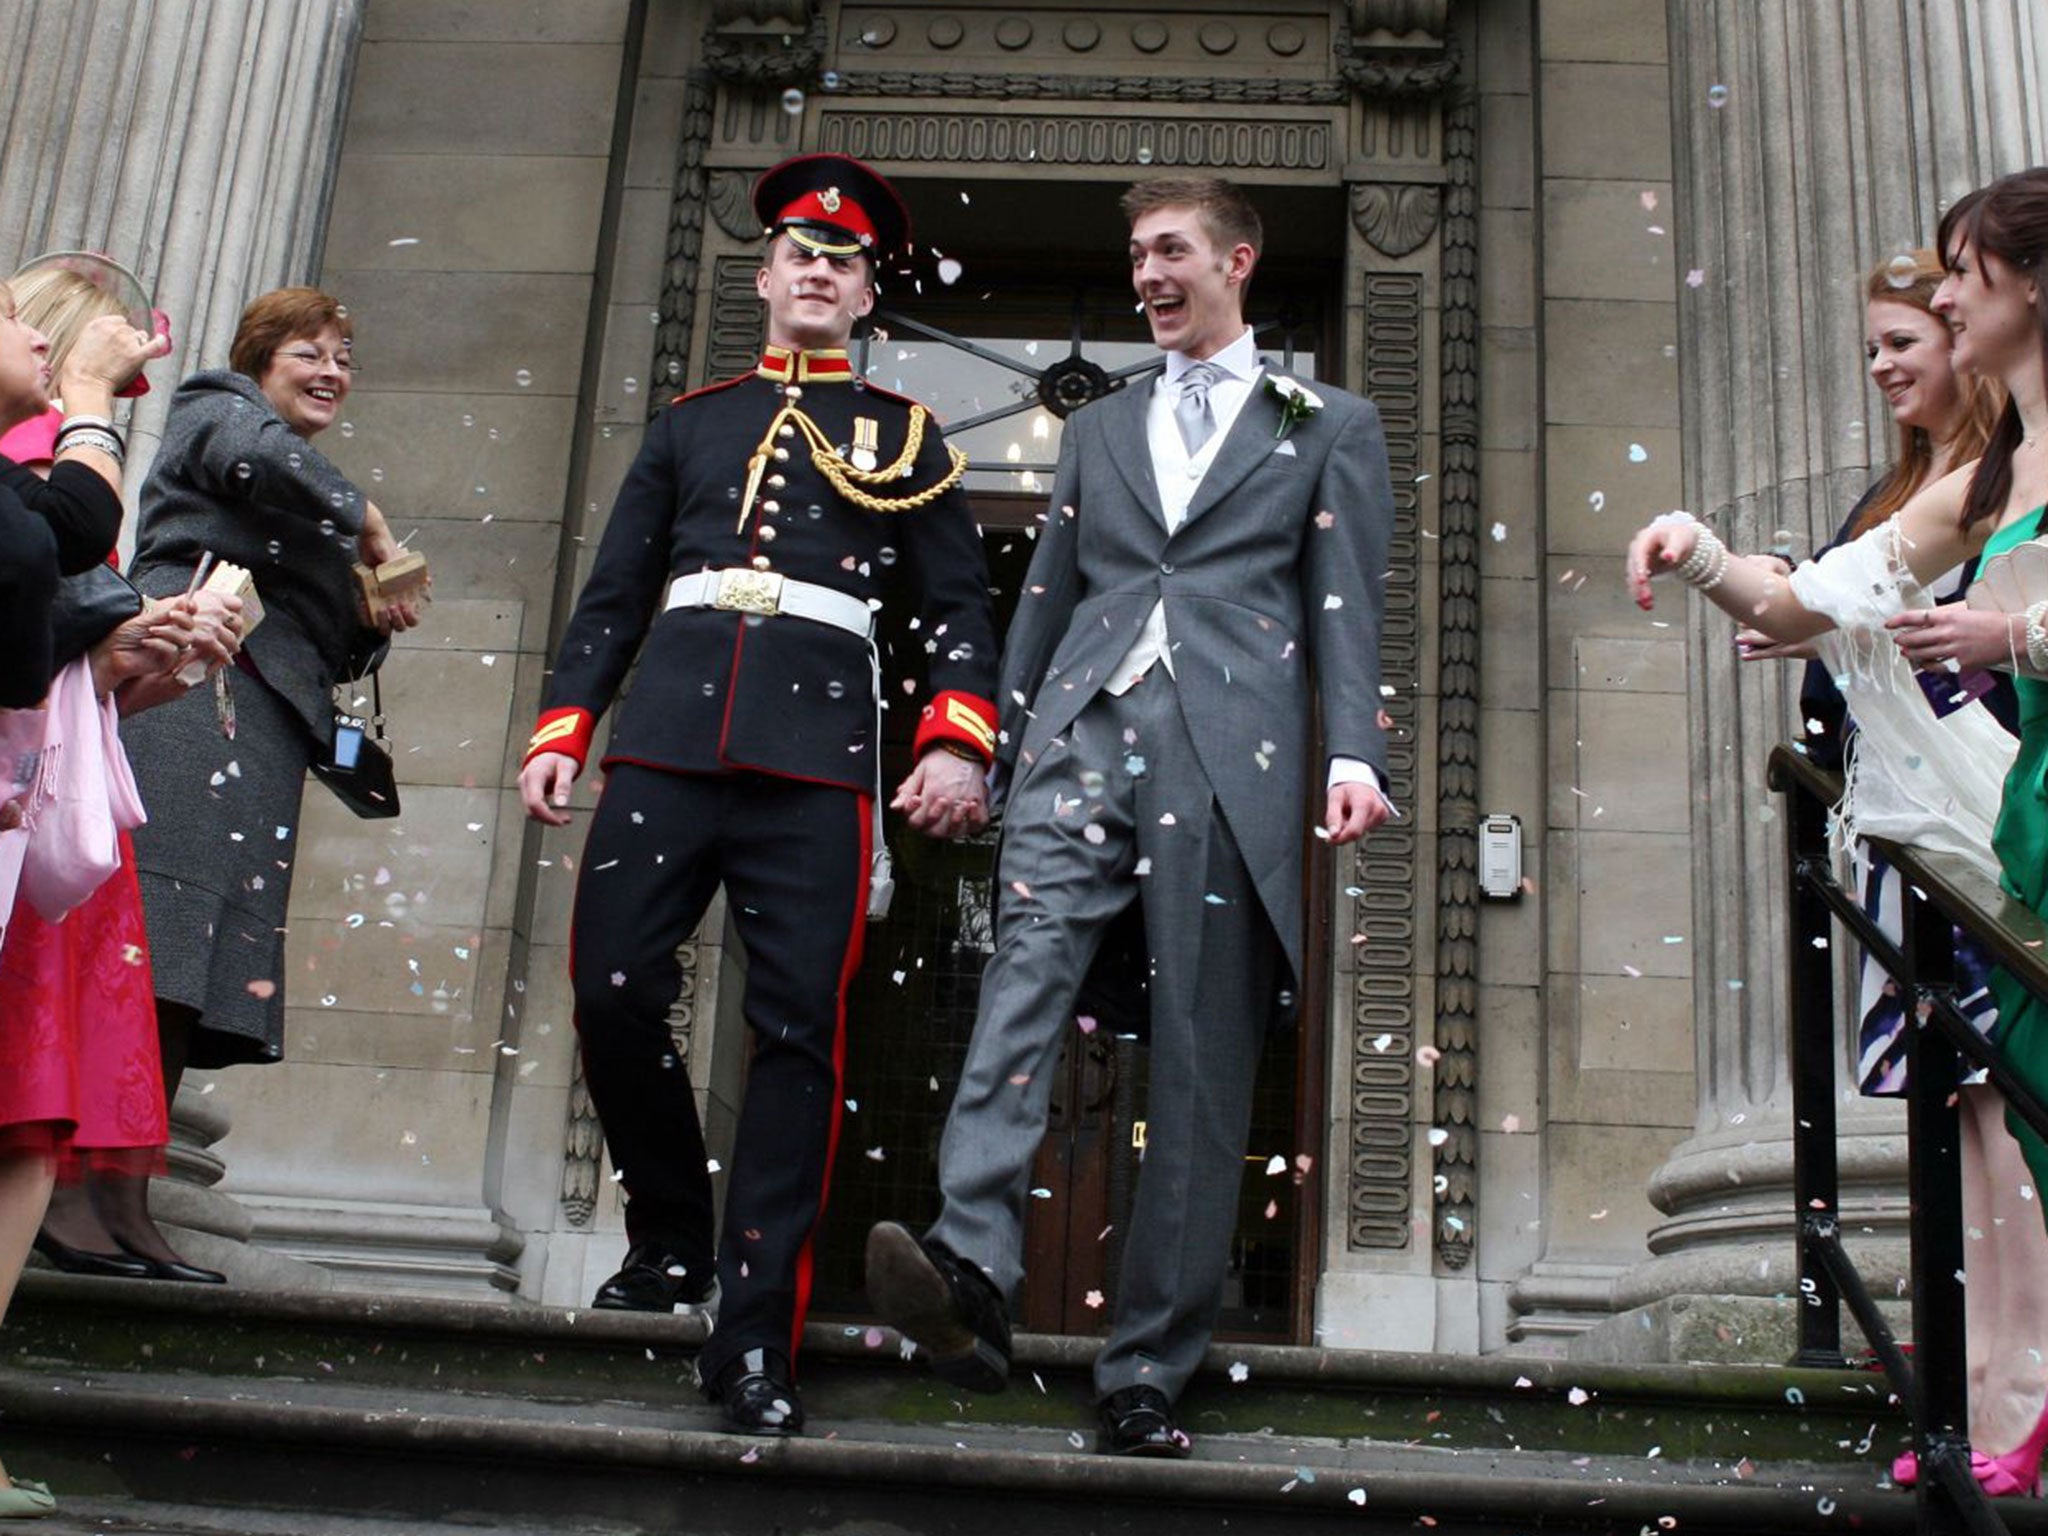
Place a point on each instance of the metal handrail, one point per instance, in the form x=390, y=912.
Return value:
x=1943, y=893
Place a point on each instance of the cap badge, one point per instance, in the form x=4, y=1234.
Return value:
x=829, y=199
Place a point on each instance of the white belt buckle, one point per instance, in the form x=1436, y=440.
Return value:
x=744, y=591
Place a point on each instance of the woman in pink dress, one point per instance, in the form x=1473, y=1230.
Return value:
x=78, y=513
x=86, y=981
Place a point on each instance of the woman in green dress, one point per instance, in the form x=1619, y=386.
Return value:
x=1994, y=243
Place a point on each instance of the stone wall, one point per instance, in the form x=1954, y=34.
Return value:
x=1614, y=1063
x=470, y=234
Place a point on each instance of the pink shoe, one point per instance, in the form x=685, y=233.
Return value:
x=1906, y=1468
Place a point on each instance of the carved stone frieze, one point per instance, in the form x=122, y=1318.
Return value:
x=765, y=42
x=730, y=200
x=1400, y=17
x=1395, y=217
x=1457, y=806
x=1383, y=869
x=1245, y=144
x=735, y=340
x=685, y=244
x=583, y=1149
x=1252, y=91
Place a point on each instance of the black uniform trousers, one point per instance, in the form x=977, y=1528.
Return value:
x=793, y=857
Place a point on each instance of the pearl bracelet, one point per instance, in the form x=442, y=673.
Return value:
x=1708, y=563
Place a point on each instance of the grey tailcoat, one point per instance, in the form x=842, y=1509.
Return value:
x=1274, y=585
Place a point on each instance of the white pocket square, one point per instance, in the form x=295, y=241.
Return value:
x=1287, y=448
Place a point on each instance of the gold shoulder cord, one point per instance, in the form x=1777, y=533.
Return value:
x=844, y=477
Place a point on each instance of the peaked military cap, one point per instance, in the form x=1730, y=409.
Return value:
x=832, y=205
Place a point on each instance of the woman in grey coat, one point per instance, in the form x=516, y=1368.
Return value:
x=222, y=770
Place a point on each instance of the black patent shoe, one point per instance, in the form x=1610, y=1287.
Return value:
x=941, y=1303
x=655, y=1280
x=1138, y=1421
x=757, y=1396
x=83, y=1261
x=175, y=1269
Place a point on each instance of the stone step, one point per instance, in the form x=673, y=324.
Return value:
x=135, y=1398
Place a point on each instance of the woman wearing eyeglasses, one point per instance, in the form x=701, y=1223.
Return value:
x=223, y=768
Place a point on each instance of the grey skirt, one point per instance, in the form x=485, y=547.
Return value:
x=216, y=859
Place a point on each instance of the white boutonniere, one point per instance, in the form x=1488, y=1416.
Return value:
x=1297, y=402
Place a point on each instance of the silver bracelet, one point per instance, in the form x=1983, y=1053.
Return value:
x=91, y=437
x=104, y=423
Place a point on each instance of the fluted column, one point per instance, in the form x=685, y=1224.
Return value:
x=1811, y=139
x=193, y=140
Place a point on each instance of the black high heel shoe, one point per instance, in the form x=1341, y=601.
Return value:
x=83, y=1261
x=174, y=1269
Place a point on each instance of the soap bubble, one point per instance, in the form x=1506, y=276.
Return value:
x=792, y=101
x=1144, y=154
x=348, y=429
x=1901, y=270
x=831, y=80
x=1717, y=95
x=523, y=378
x=631, y=386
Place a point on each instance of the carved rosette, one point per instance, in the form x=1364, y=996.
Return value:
x=1457, y=895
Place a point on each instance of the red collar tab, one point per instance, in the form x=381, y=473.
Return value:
x=783, y=366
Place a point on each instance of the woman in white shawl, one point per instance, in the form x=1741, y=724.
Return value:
x=1938, y=780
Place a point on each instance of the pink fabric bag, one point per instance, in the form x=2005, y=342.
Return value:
x=82, y=799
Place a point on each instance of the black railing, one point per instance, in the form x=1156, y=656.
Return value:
x=1941, y=894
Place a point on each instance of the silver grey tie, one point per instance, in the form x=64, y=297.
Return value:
x=1191, y=411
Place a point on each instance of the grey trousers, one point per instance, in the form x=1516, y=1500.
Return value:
x=1127, y=768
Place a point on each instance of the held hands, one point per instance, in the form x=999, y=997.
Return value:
x=544, y=785
x=1952, y=638
x=143, y=646
x=944, y=796
x=1657, y=550
x=1354, y=809
x=141, y=659
x=1755, y=645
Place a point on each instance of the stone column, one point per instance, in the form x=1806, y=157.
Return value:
x=1810, y=140
x=194, y=140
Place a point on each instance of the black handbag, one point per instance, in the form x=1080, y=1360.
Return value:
x=357, y=766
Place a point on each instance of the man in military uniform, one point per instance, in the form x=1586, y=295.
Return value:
x=745, y=560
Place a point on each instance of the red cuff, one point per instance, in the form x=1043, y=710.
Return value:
x=567, y=730
x=959, y=718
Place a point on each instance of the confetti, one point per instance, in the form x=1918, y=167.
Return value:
x=1239, y=1371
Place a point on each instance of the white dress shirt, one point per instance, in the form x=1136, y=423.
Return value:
x=1178, y=474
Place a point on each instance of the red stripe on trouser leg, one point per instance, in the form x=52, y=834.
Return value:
x=856, y=941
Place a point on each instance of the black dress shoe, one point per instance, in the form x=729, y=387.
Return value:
x=83, y=1261
x=655, y=1280
x=175, y=1269
x=757, y=1395
x=943, y=1304
x=1138, y=1421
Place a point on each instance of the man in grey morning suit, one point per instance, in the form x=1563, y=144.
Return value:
x=1214, y=539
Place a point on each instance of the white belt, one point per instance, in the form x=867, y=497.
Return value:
x=738, y=589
